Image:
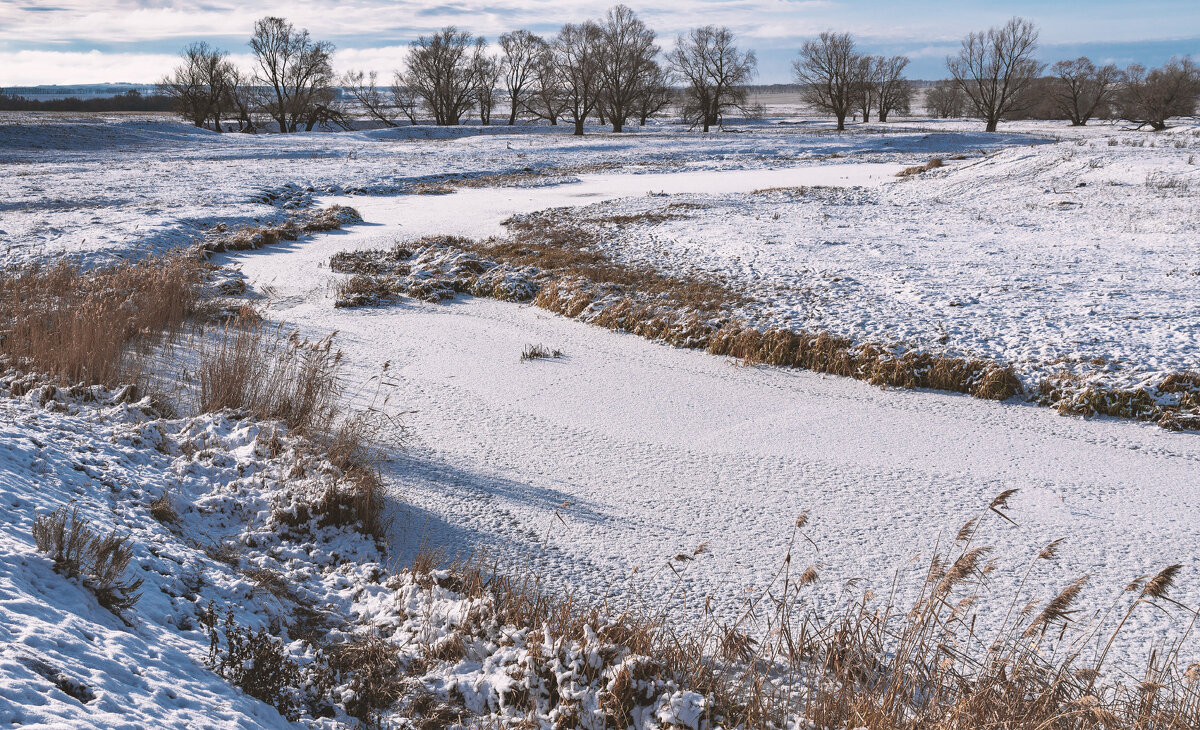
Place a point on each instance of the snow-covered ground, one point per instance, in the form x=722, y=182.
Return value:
x=95, y=190
x=625, y=452
x=645, y=451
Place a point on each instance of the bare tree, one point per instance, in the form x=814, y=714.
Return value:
x=893, y=91
x=1080, y=89
x=995, y=68
x=577, y=56
x=828, y=72
x=324, y=109
x=364, y=89
x=547, y=96
x=201, y=84
x=441, y=70
x=627, y=51
x=1150, y=98
x=522, y=51
x=295, y=69
x=654, y=94
x=866, y=88
x=487, y=80
x=714, y=73
x=242, y=98
x=405, y=98
x=946, y=99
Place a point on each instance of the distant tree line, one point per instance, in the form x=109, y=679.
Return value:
x=995, y=76
x=611, y=71
x=130, y=101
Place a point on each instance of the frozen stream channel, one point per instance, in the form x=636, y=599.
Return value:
x=644, y=451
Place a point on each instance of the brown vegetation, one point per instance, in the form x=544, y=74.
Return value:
x=78, y=326
x=558, y=262
x=925, y=664
x=933, y=164
x=252, y=237
x=100, y=561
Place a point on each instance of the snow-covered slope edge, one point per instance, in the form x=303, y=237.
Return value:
x=242, y=546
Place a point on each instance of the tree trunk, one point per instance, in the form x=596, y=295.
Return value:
x=991, y=125
x=512, y=114
x=578, y=127
x=705, y=125
x=841, y=120
x=882, y=115
x=618, y=126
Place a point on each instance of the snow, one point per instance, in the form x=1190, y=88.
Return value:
x=95, y=189
x=645, y=451
x=67, y=662
x=610, y=460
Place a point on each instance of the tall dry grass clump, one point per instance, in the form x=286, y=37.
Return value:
x=254, y=367
x=250, y=365
x=79, y=326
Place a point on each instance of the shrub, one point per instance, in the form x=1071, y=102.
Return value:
x=256, y=662
x=99, y=561
x=371, y=668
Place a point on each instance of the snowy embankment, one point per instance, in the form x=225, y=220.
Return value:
x=216, y=509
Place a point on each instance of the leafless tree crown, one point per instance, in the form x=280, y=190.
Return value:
x=296, y=72
x=1081, y=89
x=1150, y=98
x=442, y=70
x=522, y=51
x=626, y=58
x=714, y=74
x=828, y=72
x=995, y=68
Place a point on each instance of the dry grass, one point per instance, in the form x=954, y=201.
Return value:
x=561, y=265
x=539, y=352
x=248, y=365
x=252, y=237
x=163, y=509
x=923, y=665
x=255, y=368
x=371, y=668
x=100, y=561
x=933, y=164
x=79, y=326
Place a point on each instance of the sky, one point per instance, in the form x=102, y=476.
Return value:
x=95, y=41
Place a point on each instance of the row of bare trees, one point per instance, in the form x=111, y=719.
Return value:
x=609, y=70
x=834, y=77
x=994, y=76
x=612, y=71
x=292, y=82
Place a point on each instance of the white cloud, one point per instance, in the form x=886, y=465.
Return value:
x=49, y=41
x=22, y=68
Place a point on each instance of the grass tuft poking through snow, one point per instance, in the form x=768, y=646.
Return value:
x=539, y=352
x=99, y=561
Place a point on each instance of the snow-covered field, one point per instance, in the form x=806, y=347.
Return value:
x=1044, y=247
x=97, y=190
